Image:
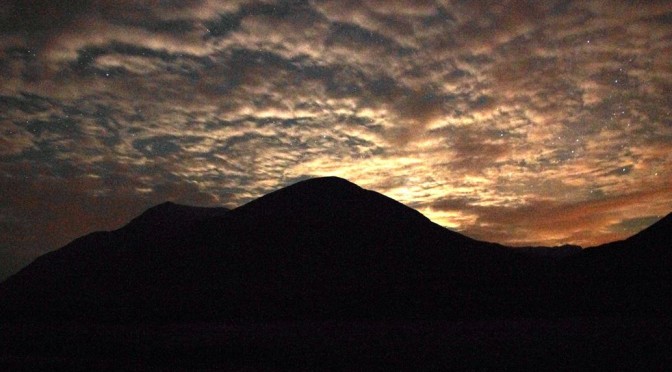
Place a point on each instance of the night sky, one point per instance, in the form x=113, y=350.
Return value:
x=519, y=122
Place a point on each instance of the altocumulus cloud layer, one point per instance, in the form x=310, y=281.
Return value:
x=522, y=122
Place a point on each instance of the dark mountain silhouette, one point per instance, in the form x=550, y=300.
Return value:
x=632, y=276
x=555, y=252
x=319, y=249
x=653, y=243
x=168, y=215
x=104, y=272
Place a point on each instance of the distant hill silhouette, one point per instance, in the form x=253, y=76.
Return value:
x=326, y=249
x=556, y=252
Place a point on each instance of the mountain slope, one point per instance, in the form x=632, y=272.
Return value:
x=632, y=276
x=647, y=251
x=100, y=275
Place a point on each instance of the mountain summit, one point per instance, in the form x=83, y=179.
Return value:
x=329, y=200
x=332, y=212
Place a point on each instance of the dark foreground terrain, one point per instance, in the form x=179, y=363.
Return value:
x=564, y=344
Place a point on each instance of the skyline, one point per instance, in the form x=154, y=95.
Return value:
x=522, y=123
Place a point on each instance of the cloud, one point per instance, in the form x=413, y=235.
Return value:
x=481, y=115
x=14, y=140
x=545, y=220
